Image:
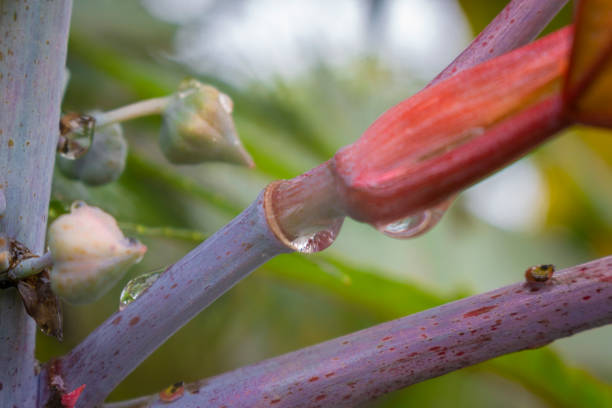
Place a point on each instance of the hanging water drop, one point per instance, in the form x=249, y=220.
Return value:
x=416, y=224
x=76, y=135
x=137, y=287
x=315, y=240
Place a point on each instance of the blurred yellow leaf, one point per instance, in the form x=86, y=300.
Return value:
x=589, y=83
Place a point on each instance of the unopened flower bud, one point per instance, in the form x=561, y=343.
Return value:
x=198, y=127
x=90, y=253
x=104, y=161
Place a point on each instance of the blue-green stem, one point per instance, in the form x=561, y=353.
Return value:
x=34, y=43
x=2, y=202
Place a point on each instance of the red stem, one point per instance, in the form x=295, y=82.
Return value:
x=430, y=182
x=387, y=174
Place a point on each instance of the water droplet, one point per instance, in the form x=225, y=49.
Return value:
x=137, y=287
x=76, y=135
x=317, y=239
x=226, y=102
x=416, y=224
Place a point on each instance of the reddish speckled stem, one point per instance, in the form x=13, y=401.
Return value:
x=126, y=338
x=32, y=59
x=361, y=366
x=517, y=24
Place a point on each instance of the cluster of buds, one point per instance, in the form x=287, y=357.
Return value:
x=197, y=127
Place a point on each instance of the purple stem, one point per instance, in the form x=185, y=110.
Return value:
x=517, y=24
x=349, y=370
x=126, y=338
x=32, y=59
x=136, y=332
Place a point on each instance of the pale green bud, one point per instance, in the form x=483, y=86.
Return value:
x=90, y=253
x=104, y=161
x=198, y=127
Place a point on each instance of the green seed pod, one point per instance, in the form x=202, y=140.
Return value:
x=198, y=127
x=90, y=253
x=104, y=161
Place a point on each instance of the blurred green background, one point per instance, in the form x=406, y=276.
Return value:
x=292, y=119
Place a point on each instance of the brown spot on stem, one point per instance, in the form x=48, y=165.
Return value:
x=116, y=320
x=134, y=321
x=479, y=311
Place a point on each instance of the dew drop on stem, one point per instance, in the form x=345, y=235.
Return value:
x=416, y=224
x=76, y=135
x=137, y=287
x=317, y=239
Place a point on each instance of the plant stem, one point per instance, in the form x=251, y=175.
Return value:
x=216, y=265
x=2, y=202
x=153, y=106
x=34, y=43
x=349, y=370
x=165, y=232
x=518, y=24
x=31, y=266
x=181, y=292
x=384, y=149
x=427, y=182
